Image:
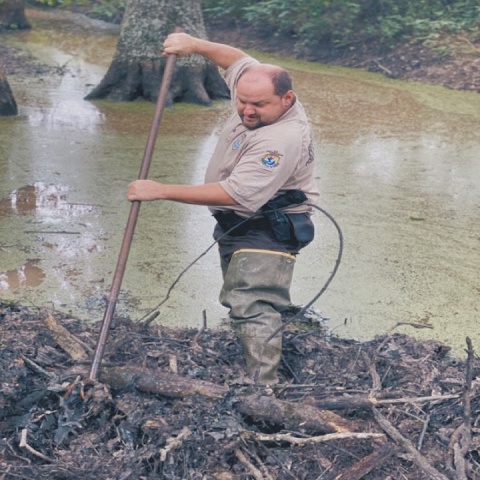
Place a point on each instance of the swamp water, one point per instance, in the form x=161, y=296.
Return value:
x=397, y=166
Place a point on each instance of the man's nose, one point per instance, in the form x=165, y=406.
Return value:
x=249, y=110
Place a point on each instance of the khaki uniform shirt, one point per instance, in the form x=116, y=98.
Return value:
x=254, y=166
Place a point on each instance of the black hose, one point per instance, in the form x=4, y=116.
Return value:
x=150, y=318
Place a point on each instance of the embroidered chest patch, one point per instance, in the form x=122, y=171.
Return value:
x=271, y=159
x=236, y=144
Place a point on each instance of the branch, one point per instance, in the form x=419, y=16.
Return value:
x=254, y=471
x=462, y=436
x=174, y=442
x=420, y=460
x=287, y=437
x=24, y=444
x=367, y=402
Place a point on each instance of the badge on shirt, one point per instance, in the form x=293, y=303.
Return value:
x=236, y=144
x=271, y=159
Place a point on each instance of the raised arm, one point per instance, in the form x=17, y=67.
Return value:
x=183, y=44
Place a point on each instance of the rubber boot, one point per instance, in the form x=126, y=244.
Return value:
x=256, y=289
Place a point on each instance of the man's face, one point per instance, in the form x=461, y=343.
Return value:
x=256, y=103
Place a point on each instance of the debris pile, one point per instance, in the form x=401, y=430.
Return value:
x=173, y=404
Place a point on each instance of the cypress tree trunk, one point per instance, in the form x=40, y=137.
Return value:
x=138, y=64
x=12, y=15
x=8, y=106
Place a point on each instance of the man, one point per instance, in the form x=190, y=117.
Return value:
x=261, y=170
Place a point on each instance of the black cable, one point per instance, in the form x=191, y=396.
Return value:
x=172, y=286
x=298, y=314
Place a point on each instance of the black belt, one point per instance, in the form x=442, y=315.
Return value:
x=238, y=225
x=275, y=220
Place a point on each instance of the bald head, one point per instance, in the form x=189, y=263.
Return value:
x=279, y=77
x=264, y=93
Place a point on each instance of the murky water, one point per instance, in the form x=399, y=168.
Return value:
x=398, y=167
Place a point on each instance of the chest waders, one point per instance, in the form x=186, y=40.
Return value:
x=256, y=289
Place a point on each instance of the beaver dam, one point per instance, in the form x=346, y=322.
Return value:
x=172, y=404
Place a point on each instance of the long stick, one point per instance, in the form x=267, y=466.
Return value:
x=133, y=216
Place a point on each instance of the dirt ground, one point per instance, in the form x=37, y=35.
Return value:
x=173, y=404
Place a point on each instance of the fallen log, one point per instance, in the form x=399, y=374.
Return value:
x=294, y=416
x=158, y=382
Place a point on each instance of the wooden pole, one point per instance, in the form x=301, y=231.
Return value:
x=133, y=216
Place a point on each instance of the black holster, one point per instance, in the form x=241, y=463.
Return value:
x=285, y=227
x=279, y=221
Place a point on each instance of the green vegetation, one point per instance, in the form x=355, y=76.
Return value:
x=342, y=23
x=338, y=23
x=107, y=10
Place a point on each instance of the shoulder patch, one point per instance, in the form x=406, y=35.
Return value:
x=271, y=159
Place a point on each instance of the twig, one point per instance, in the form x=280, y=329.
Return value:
x=412, y=324
x=386, y=70
x=263, y=468
x=286, y=437
x=422, y=434
x=173, y=364
x=362, y=467
x=174, y=442
x=432, y=398
x=376, y=381
x=470, y=44
x=461, y=438
x=394, y=434
x=399, y=324
x=37, y=368
x=150, y=319
x=366, y=402
x=52, y=232
x=204, y=326
x=24, y=444
x=254, y=471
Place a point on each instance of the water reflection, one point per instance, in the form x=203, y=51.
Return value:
x=46, y=202
x=27, y=275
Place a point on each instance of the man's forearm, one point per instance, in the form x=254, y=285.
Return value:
x=183, y=44
x=211, y=194
x=221, y=55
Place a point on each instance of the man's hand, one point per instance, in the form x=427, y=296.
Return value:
x=144, y=190
x=180, y=44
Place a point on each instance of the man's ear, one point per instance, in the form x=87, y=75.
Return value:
x=288, y=98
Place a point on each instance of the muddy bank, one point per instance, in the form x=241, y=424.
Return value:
x=454, y=64
x=17, y=62
x=172, y=403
